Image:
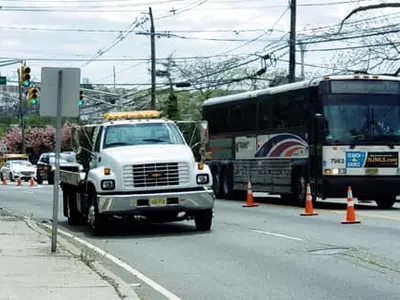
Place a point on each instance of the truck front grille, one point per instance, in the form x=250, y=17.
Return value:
x=156, y=174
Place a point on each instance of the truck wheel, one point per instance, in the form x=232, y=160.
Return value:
x=386, y=202
x=73, y=215
x=97, y=222
x=203, y=220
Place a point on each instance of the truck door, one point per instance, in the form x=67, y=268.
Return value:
x=97, y=138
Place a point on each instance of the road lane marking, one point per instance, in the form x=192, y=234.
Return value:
x=278, y=235
x=157, y=287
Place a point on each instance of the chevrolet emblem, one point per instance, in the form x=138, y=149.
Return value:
x=155, y=175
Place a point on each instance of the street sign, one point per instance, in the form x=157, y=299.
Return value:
x=69, y=89
x=3, y=80
x=3, y=148
x=59, y=94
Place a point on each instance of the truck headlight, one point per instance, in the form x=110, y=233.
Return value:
x=202, y=179
x=107, y=184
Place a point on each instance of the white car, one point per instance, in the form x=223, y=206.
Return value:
x=14, y=169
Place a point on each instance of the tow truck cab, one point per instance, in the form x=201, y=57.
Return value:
x=137, y=164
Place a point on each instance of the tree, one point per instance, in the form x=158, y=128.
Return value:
x=41, y=139
x=378, y=51
x=38, y=139
x=12, y=139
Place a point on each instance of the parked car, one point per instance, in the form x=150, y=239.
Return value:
x=46, y=166
x=14, y=169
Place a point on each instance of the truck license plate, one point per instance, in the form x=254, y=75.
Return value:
x=371, y=171
x=158, y=202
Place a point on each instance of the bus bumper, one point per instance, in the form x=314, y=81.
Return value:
x=363, y=187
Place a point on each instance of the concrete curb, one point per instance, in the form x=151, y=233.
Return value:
x=123, y=290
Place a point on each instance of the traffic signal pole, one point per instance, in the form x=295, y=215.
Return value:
x=21, y=115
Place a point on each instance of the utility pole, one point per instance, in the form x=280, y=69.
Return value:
x=302, y=53
x=153, y=60
x=292, y=46
x=21, y=114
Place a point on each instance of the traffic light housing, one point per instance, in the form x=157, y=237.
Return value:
x=32, y=96
x=80, y=102
x=25, y=76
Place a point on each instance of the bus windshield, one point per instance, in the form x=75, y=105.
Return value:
x=369, y=117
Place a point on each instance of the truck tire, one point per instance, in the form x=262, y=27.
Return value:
x=386, y=202
x=97, y=221
x=203, y=220
x=73, y=215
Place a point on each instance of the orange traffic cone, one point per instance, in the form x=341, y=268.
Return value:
x=309, y=209
x=351, y=214
x=32, y=182
x=4, y=181
x=250, y=200
x=19, y=181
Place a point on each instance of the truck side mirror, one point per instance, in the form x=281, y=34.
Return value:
x=320, y=129
x=204, y=132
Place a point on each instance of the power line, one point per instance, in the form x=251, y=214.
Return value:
x=352, y=47
x=127, y=59
x=90, y=6
x=136, y=23
x=31, y=28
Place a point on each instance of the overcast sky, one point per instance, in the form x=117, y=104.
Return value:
x=218, y=19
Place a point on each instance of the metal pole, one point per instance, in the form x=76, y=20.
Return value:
x=153, y=60
x=292, y=48
x=57, y=165
x=21, y=115
x=302, y=53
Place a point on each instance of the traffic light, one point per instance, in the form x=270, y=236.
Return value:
x=25, y=76
x=80, y=98
x=32, y=95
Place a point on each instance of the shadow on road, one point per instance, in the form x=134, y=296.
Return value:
x=126, y=229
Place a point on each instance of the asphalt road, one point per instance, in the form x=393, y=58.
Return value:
x=265, y=252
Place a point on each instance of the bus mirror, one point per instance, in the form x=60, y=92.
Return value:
x=204, y=132
x=319, y=126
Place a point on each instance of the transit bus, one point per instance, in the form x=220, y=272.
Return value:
x=331, y=132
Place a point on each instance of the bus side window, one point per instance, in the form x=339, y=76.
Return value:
x=291, y=109
x=249, y=116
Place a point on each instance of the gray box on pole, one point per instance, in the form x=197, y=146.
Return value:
x=71, y=80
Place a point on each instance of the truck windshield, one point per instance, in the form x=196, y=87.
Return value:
x=142, y=134
x=362, y=117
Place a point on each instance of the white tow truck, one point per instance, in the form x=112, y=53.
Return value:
x=136, y=164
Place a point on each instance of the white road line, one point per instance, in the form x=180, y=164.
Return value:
x=163, y=291
x=278, y=235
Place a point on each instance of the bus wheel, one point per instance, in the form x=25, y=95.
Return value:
x=227, y=187
x=217, y=184
x=386, y=202
x=299, y=185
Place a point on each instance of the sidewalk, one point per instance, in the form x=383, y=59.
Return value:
x=28, y=269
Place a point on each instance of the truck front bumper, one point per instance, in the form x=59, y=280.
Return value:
x=137, y=203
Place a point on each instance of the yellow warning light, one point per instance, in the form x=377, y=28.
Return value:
x=132, y=115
